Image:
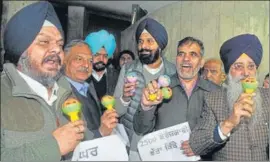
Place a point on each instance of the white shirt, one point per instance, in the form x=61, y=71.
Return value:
x=221, y=135
x=40, y=90
x=154, y=71
x=96, y=76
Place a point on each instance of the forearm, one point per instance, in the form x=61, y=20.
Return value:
x=144, y=120
x=120, y=105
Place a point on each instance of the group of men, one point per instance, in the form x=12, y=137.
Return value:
x=226, y=123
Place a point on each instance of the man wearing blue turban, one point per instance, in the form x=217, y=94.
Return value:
x=151, y=38
x=104, y=77
x=235, y=122
x=32, y=125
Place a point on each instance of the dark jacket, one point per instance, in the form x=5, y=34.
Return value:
x=91, y=108
x=111, y=80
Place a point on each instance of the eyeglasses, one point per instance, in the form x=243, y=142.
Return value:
x=81, y=60
x=240, y=66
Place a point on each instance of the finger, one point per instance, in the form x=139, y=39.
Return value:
x=247, y=108
x=128, y=94
x=127, y=85
x=155, y=85
x=76, y=129
x=111, y=119
x=159, y=95
x=185, y=145
x=151, y=88
x=146, y=94
x=245, y=114
x=112, y=125
x=79, y=136
x=105, y=114
x=190, y=153
x=112, y=115
x=246, y=95
x=128, y=89
x=247, y=101
x=76, y=123
x=80, y=128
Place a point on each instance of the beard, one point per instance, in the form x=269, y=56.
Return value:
x=99, y=66
x=147, y=56
x=30, y=68
x=234, y=90
x=185, y=75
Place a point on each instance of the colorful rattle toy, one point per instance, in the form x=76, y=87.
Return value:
x=108, y=102
x=72, y=107
x=131, y=77
x=163, y=82
x=166, y=92
x=250, y=85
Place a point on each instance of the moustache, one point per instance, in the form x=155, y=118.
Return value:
x=54, y=58
x=148, y=51
x=99, y=64
x=83, y=69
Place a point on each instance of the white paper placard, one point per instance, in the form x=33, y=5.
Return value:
x=164, y=144
x=109, y=148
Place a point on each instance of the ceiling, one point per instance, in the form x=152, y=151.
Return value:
x=125, y=7
x=118, y=8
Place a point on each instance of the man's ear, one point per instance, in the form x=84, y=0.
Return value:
x=223, y=77
x=202, y=62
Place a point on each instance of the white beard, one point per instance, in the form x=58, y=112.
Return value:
x=234, y=90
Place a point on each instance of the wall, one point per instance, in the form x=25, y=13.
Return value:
x=214, y=22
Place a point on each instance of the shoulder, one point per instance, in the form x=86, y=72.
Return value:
x=169, y=67
x=265, y=95
x=208, y=86
x=264, y=92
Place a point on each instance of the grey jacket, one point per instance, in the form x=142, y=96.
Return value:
x=244, y=144
x=112, y=77
x=127, y=112
x=27, y=121
x=177, y=110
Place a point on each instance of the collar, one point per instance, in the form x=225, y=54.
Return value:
x=80, y=87
x=39, y=89
x=96, y=76
x=154, y=71
x=201, y=83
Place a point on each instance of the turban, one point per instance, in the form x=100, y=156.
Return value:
x=24, y=26
x=233, y=48
x=157, y=31
x=100, y=39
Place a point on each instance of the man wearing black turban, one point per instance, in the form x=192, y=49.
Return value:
x=32, y=125
x=235, y=120
x=152, y=39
